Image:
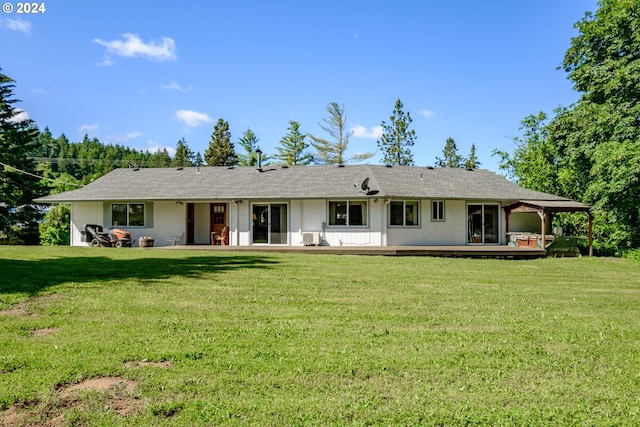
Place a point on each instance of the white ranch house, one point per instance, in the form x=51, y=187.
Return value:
x=300, y=205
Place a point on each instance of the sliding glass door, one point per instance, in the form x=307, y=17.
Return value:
x=482, y=223
x=269, y=223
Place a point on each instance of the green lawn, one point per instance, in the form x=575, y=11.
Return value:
x=294, y=340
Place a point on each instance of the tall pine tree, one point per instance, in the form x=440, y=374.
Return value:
x=19, y=182
x=397, y=139
x=249, y=142
x=332, y=151
x=292, y=149
x=221, y=151
x=184, y=156
x=472, y=159
x=450, y=157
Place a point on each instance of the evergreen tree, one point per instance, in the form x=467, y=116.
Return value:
x=161, y=159
x=19, y=183
x=221, y=151
x=472, y=159
x=198, y=160
x=332, y=152
x=397, y=139
x=249, y=142
x=292, y=149
x=184, y=156
x=450, y=157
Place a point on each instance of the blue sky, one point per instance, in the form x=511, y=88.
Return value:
x=148, y=73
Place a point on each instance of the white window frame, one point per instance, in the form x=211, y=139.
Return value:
x=436, y=211
x=365, y=215
x=416, y=214
x=128, y=205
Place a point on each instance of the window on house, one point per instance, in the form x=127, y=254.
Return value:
x=127, y=214
x=437, y=210
x=403, y=213
x=349, y=213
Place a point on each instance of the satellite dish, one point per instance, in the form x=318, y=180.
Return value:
x=365, y=184
x=365, y=188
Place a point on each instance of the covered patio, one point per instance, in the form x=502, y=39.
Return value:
x=545, y=210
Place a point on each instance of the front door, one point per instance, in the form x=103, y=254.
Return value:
x=191, y=214
x=218, y=218
x=270, y=223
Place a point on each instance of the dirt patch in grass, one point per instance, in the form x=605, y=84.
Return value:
x=135, y=365
x=27, y=308
x=114, y=395
x=115, y=385
x=44, y=331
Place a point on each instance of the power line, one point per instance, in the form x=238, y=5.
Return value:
x=34, y=175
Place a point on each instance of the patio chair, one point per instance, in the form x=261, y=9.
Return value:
x=175, y=239
x=221, y=238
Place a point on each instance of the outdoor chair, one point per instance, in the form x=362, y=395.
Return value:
x=221, y=238
x=175, y=239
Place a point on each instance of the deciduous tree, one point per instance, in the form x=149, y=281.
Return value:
x=590, y=151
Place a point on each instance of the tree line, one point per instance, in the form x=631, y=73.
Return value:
x=298, y=148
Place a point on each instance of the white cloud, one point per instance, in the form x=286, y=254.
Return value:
x=133, y=46
x=20, y=116
x=90, y=130
x=18, y=25
x=154, y=147
x=427, y=114
x=122, y=139
x=362, y=132
x=175, y=86
x=193, y=118
x=106, y=62
x=93, y=131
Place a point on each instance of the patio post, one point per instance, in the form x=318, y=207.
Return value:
x=590, y=234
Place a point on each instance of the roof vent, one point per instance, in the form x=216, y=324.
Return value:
x=469, y=169
x=285, y=167
x=136, y=169
x=180, y=168
x=231, y=167
x=340, y=165
x=429, y=167
x=389, y=166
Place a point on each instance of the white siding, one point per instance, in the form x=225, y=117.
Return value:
x=84, y=213
x=167, y=218
x=451, y=231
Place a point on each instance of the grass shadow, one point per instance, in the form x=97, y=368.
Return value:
x=33, y=276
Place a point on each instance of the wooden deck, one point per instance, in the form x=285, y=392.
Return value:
x=471, y=251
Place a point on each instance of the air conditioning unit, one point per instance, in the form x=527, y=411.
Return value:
x=311, y=239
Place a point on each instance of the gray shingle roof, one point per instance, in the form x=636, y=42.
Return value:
x=298, y=182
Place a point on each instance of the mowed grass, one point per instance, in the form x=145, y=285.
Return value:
x=317, y=340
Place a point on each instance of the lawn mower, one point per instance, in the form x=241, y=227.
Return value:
x=113, y=237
